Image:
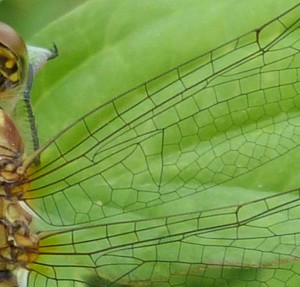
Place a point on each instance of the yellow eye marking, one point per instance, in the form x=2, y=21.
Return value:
x=9, y=64
x=13, y=59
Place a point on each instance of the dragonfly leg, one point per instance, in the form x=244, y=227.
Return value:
x=34, y=134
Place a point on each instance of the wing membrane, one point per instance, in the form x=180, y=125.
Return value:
x=261, y=234
x=206, y=123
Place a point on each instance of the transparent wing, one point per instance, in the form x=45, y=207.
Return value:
x=180, y=250
x=136, y=175
x=166, y=143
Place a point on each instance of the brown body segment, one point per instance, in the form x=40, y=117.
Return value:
x=18, y=245
x=11, y=149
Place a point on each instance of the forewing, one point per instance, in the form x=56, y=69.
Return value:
x=181, y=140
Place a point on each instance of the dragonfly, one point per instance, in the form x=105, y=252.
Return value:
x=162, y=148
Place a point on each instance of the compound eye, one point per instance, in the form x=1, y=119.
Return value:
x=13, y=58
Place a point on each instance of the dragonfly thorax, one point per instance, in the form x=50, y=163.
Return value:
x=11, y=150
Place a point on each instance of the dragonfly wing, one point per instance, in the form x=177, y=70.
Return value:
x=180, y=140
x=183, y=249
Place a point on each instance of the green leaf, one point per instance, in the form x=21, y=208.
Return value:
x=184, y=175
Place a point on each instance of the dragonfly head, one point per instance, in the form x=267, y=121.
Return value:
x=13, y=60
